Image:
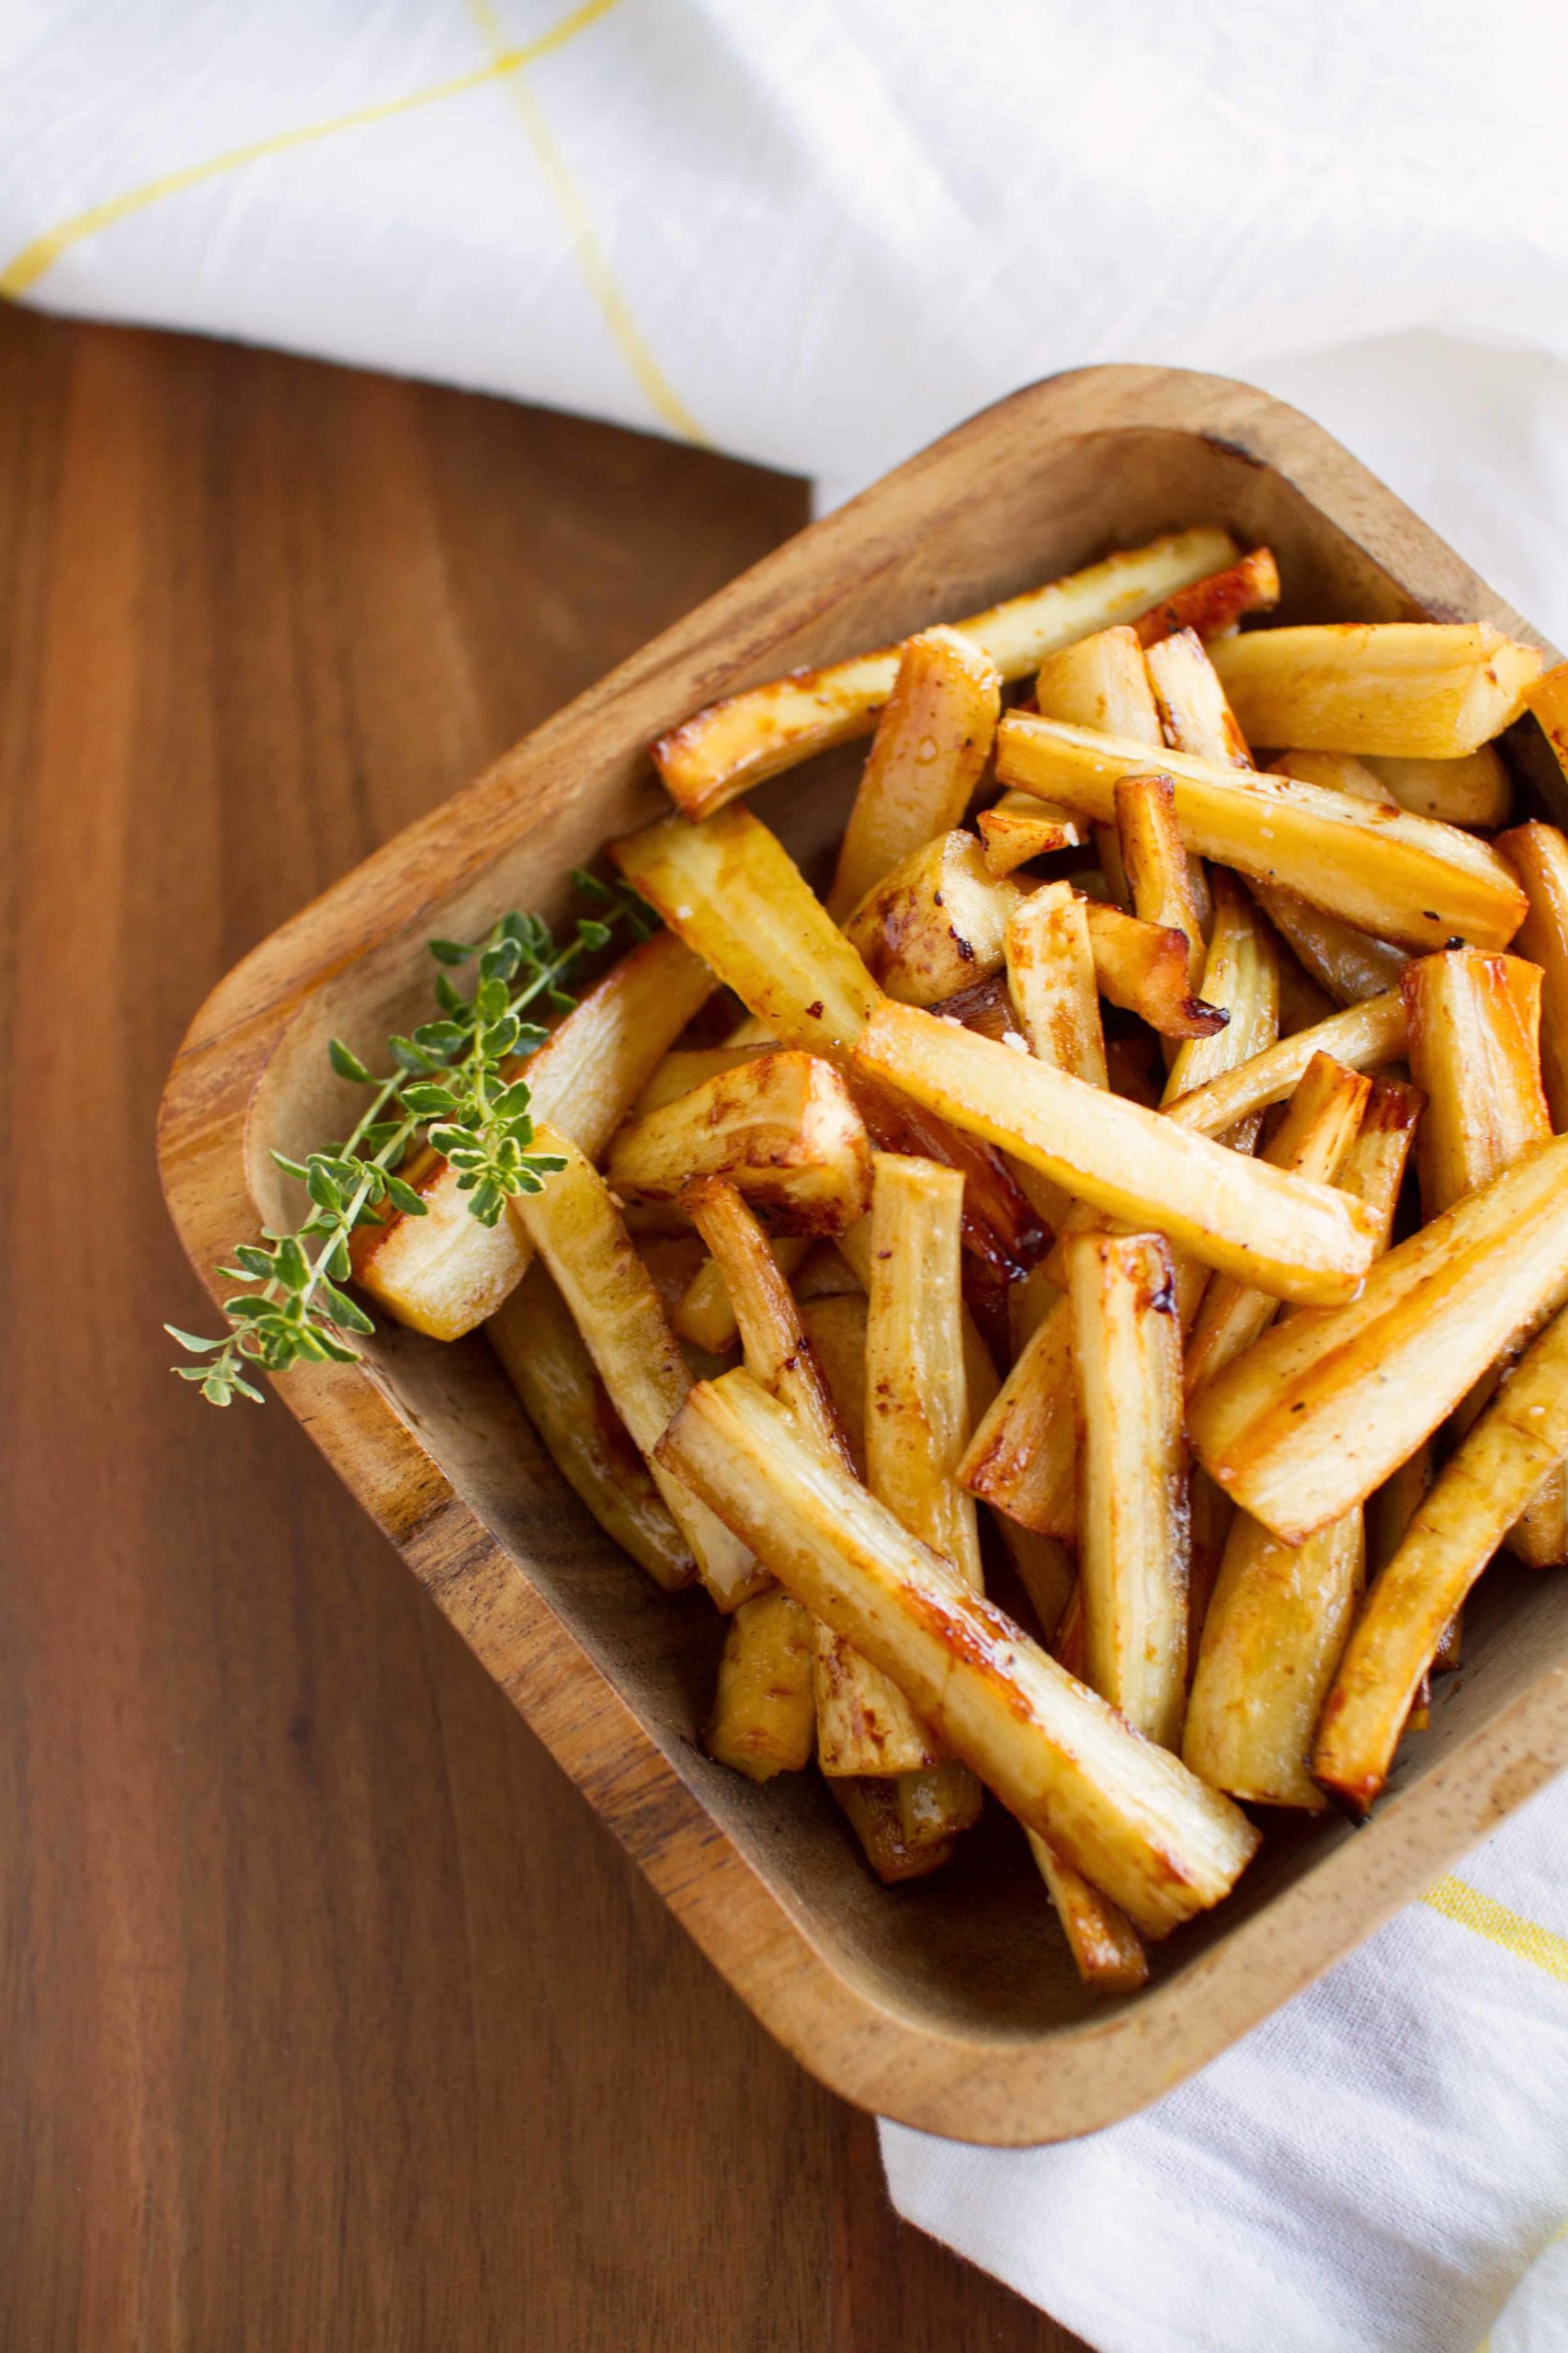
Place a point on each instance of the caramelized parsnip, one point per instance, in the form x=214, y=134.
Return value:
x=1538, y=854
x=784, y=1128
x=932, y=742
x=1411, y=689
x=936, y=923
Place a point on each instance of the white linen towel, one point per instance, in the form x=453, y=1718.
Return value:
x=818, y=236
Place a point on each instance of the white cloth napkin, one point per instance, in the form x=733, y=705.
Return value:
x=818, y=234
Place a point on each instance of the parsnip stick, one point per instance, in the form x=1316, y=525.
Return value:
x=872, y=1809
x=1132, y=1511
x=444, y=1273
x=1023, y=1457
x=1124, y=1813
x=1274, y=1634
x=784, y=1128
x=1373, y=1168
x=935, y=923
x=1538, y=854
x=578, y=1232
x=730, y=890
x=1194, y=712
x=1018, y=827
x=1102, y=682
x=1312, y=1141
x=1214, y=606
x=1297, y=1240
x=1103, y=1941
x=1348, y=963
x=1398, y=876
x=932, y=742
x=1473, y=1053
x=1474, y=1026
x=1449, y=1540
x=1414, y=689
x=533, y=1334
x=1143, y=968
x=1322, y=1408
x=1050, y=977
x=1473, y=790
x=916, y=1405
x=705, y=1315
x=1339, y=771
x=1546, y=697
x=1154, y=862
x=1364, y=1035
x=734, y=745
x=1240, y=975
x=864, y=1724
x=764, y=1710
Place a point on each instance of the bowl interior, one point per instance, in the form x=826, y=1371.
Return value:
x=976, y=1946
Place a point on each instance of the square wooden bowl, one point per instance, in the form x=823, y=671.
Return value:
x=951, y=2004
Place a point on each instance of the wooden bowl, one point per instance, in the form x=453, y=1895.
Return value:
x=951, y=2004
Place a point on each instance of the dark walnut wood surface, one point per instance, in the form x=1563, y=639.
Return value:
x=329, y=2014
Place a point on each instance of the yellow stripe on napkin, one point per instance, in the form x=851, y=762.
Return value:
x=1527, y=1939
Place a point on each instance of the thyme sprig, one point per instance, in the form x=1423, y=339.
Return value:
x=453, y=1083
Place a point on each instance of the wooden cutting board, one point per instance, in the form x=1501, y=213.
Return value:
x=329, y=2015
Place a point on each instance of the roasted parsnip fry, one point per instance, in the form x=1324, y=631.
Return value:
x=533, y=1334
x=864, y=1724
x=1365, y=1036
x=783, y=1128
x=1312, y=1141
x=1193, y=710
x=705, y=1315
x=935, y=923
x=916, y=1385
x=1275, y=1631
x=578, y=1232
x=1302, y=1004
x=1474, y=789
x=1373, y=1170
x=1143, y=968
x=764, y=1711
x=733, y=744
x=1450, y=1539
x=444, y=1273
x=1051, y=978
x=777, y=1350
x=1214, y=606
x=1538, y=854
x=932, y=740
x=872, y=1809
x=1398, y=876
x=1023, y=1457
x=730, y=890
x=1158, y=871
x=1241, y=976
x=1390, y=1509
x=1122, y=1812
x=1415, y=690
x=1473, y=1053
x=1003, y=1230
x=938, y=1803
x=1018, y=827
x=916, y=1403
x=1103, y=1941
x=1350, y=964
x=1102, y=682
x=836, y=1326
x=1474, y=1027
x=1133, y=1523
x=1297, y=1240
x=685, y=1067
x=1320, y=1410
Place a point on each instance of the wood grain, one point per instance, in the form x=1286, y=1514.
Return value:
x=329, y=2015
